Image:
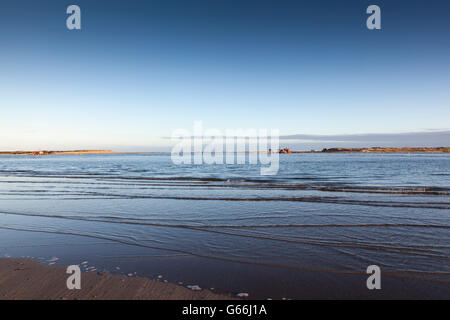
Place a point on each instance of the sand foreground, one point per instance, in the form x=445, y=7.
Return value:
x=26, y=279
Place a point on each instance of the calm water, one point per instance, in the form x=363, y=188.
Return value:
x=308, y=232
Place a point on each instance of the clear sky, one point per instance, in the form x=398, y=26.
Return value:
x=140, y=69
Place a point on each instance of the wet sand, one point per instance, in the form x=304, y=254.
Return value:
x=27, y=279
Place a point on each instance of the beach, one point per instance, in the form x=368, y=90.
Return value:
x=203, y=150
x=309, y=232
x=27, y=279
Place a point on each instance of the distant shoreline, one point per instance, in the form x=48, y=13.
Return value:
x=325, y=150
x=49, y=152
x=381, y=150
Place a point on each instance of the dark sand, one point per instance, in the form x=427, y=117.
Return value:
x=25, y=279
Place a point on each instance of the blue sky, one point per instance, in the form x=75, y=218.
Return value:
x=140, y=69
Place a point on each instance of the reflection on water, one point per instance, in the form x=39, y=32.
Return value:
x=323, y=214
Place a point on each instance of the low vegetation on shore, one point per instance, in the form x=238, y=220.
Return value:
x=389, y=150
x=47, y=152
